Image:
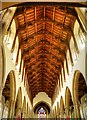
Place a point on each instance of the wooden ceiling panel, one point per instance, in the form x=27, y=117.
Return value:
x=39, y=12
x=44, y=35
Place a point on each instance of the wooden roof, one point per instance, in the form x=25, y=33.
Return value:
x=44, y=33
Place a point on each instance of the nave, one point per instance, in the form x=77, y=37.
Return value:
x=43, y=60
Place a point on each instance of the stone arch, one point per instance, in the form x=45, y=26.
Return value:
x=11, y=78
x=9, y=92
x=77, y=75
x=68, y=102
x=41, y=105
x=13, y=84
x=41, y=97
x=79, y=90
x=18, y=104
x=61, y=107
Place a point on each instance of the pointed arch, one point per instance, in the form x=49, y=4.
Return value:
x=61, y=107
x=9, y=92
x=68, y=97
x=18, y=104
x=68, y=101
x=79, y=89
x=78, y=80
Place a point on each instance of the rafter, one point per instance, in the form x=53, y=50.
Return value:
x=46, y=64
x=50, y=77
x=42, y=20
x=47, y=53
x=44, y=41
x=51, y=72
x=40, y=44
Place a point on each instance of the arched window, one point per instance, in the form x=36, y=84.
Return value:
x=41, y=113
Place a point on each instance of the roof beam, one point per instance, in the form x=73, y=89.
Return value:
x=45, y=57
x=33, y=76
x=46, y=32
x=55, y=47
x=49, y=76
x=40, y=44
x=51, y=72
x=42, y=20
x=45, y=62
x=33, y=84
x=39, y=70
x=58, y=4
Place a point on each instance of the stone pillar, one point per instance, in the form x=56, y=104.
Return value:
x=1, y=107
x=12, y=108
x=62, y=114
x=1, y=70
x=18, y=112
x=1, y=58
x=6, y=110
x=58, y=115
x=67, y=111
x=76, y=109
x=24, y=114
x=72, y=111
x=53, y=114
x=83, y=107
